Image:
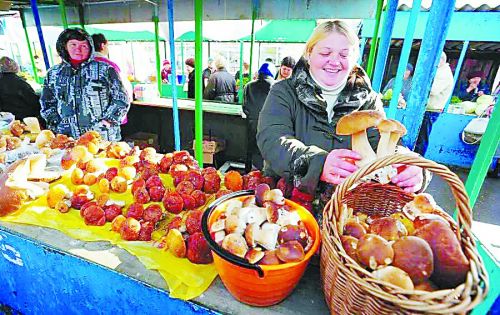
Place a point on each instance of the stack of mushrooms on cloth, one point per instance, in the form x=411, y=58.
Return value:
x=356, y=125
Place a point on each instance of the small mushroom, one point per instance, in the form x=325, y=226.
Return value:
x=390, y=132
x=354, y=228
x=293, y=233
x=218, y=225
x=270, y=258
x=263, y=193
x=389, y=228
x=233, y=205
x=267, y=237
x=250, y=232
x=355, y=124
x=290, y=251
x=256, y=215
x=286, y=217
x=235, y=244
x=218, y=236
x=394, y=276
x=176, y=243
x=235, y=224
x=350, y=245
x=254, y=255
x=272, y=211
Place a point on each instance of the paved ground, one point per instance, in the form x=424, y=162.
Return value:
x=487, y=208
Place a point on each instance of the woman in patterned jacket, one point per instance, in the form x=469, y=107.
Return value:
x=81, y=94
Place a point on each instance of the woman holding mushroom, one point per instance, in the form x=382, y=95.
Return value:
x=297, y=126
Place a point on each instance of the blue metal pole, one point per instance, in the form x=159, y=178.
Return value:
x=428, y=58
x=385, y=43
x=36, y=16
x=403, y=59
x=175, y=109
x=362, y=44
x=457, y=70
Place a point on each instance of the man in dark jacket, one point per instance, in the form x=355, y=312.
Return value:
x=221, y=85
x=254, y=96
x=81, y=94
x=16, y=95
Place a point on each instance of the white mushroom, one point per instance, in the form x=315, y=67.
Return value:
x=256, y=215
x=355, y=124
x=235, y=224
x=233, y=205
x=390, y=132
x=267, y=236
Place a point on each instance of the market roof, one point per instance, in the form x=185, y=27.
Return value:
x=284, y=31
x=189, y=37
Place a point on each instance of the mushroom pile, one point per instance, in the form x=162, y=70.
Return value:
x=262, y=229
x=356, y=124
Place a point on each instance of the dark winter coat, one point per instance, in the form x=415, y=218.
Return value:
x=293, y=133
x=221, y=87
x=191, y=84
x=75, y=101
x=18, y=97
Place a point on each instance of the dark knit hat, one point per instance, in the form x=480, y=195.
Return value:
x=474, y=74
x=190, y=62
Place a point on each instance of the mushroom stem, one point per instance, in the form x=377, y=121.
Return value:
x=361, y=145
x=383, y=144
x=393, y=141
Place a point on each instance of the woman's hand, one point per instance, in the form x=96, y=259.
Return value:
x=339, y=164
x=410, y=178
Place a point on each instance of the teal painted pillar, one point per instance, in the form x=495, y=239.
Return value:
x=385, y=43
x=240, y=90
x=456, y=75
x=373, y=46
x=428, y=58
x=173, y=81
x=30, y=50
x=62, y=9
x=403, y=58
x=198, y=90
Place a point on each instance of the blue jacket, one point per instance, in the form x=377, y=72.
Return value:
x=472, y=96
x=75, y=101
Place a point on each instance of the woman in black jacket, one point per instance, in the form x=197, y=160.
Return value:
x=190, y=69
x=16, y=95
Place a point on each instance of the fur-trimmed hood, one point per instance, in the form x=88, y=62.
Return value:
x=73, y=33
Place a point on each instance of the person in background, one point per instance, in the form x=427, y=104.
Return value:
x=191, y=80
x=16, y=95
x=246, y=74
x=270, y=61
x=101, y=53
x=208, y=72
x=254, y=96
x=81, y=94
x=474, y=87
x=221, y=85
x=166, y=71
x=286, y=68
x=406, y=89
x=440, y=93
x=296, y=129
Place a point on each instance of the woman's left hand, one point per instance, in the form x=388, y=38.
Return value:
x=410, y=179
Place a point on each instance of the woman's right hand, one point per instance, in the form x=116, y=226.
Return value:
x=339, y=164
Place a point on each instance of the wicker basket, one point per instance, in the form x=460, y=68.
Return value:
x=350, y=289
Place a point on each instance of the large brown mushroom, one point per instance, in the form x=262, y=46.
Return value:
x=355, y=124
x=390, y=132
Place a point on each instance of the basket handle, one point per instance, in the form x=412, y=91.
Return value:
x=456, y=185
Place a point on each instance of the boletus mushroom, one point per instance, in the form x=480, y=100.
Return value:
x=355, y=124
x=390, y=132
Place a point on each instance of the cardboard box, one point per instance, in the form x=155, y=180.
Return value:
x=210, y=148
x=144, y=139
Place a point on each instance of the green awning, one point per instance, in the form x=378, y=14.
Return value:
x=123, y=36
x=284, y=31
x=189, y=37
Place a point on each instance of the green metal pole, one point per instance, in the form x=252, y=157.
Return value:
x=157, y=51
x=240, y=90
x=198, y=90
x=252, y=35
x=62, y=9
x=182, y=57
x=33, y=64
x=50, y=55
x=484, y=155
x=373, y=46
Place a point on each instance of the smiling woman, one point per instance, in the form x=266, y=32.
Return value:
x=296, y=129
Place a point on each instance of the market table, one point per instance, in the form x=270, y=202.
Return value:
x=220, y=120
x=52, y=273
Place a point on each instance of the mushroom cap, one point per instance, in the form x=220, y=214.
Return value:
x=358, y=121
x=392, y=125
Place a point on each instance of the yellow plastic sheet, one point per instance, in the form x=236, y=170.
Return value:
x=185, y=280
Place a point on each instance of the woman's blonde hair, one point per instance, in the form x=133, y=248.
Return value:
x=324, y=29
x=220, y=62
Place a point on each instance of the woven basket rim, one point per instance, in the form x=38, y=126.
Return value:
x=472, y=292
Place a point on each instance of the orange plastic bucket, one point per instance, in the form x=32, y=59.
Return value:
x=253, y=284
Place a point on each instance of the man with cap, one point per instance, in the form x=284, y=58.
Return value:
x=407, y=81
x=16, y=95
x=191, y=81
x=471, y=89
x=254, y=96
x=81, y=94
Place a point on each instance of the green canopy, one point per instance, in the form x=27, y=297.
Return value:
x=123, y=36
x=189, y=37
x=284, y=31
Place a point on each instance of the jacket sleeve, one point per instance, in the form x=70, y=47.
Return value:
x=119, y=103
x=245, y=101
x=279, y=146
x=48, y=102
x=209, y=92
